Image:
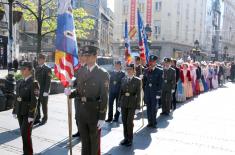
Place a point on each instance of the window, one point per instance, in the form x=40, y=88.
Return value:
x=141, y=7
x=186, y=33
x=157, y=27
x=125, y=9
x=177, y=29
x=158, y=6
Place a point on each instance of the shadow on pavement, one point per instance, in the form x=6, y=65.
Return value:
x=9, y=136
x=142, y=140
x=60, y=148
x=163, y=121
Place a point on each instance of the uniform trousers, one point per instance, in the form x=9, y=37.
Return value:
x=26, y=130
x=127, y=120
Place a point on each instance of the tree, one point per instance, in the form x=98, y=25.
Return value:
x=44, y=13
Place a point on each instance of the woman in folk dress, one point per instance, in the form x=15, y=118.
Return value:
x=187, y=81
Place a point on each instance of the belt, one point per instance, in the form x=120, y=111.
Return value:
x=127, y=94
x=88, y=99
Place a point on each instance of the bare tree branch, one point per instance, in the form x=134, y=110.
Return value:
x=46, y=33
x=49, y=17
x=46, y=3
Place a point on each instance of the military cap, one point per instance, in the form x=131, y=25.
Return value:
x=26, y=64
x=167, y=60
x=42, y=56
x=137, y=58
x=89, y=50
x=153, y=58
x=118, y=62
x=129, y=66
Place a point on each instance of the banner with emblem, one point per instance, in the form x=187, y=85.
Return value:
x=66, y=55
x=149, y=12
x=143, y=43
x=128, y=57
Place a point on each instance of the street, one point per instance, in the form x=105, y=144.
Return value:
x=204, y=125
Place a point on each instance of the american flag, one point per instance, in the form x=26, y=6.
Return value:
x=128, y=57
x=66, y=55
x=143, y=43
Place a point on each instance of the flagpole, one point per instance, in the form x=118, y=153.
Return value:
x=142, y=103
x=69, y=101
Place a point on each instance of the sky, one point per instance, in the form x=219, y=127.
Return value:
x=111, y=4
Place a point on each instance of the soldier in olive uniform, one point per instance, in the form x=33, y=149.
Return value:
x=27, y=92
x=82, y=65
x=129, y=101
x=152, y=83
x=114, y=89
x=92, y=91
x=168, y=86
x=139, y=69
x=43, y=76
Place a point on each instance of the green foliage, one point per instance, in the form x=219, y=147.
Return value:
x=18, y=9
x=1, y=8
x=18, y=76
x=83, y=23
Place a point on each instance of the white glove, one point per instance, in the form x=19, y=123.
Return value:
x=137, y=111
x=67, y=91
x=141, y=76
x=15, y=116
x=172, y=91
x=100, y=124
x=158, y=97
x=45, y=94
x=119, y=109
x=30, y=120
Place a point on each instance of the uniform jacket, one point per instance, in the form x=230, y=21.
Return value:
x=94, y=86
x=43, y=76
x=152, y=81
x=169, y=79
x=26, y=98
x=177, y=72
x=115, y=81
x=139, y=70
x=133, y=88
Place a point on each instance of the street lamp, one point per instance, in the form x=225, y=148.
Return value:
x=196, y=50
x=225, y=53
x=148, y=31
x=10, y=29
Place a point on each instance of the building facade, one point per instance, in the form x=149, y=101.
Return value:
x=175, y=25
x=102, y=35
x=227, y=48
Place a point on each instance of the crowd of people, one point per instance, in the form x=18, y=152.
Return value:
x=156, y=85
x=194, y=78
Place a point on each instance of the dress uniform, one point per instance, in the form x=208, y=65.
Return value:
x=168, y=86
x=129, y=101
x=139, y=69
x=43, y=76
x=152, y=83
x=27, y=92
x=76, y=99
x=177, y=71
x=92, y=93
x=114, y=89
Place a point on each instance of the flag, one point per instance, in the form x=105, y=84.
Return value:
x=66, y=54
x=128, y=58
x=143, y=43
x=132, y=32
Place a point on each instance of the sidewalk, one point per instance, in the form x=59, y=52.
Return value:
x=205, y=125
